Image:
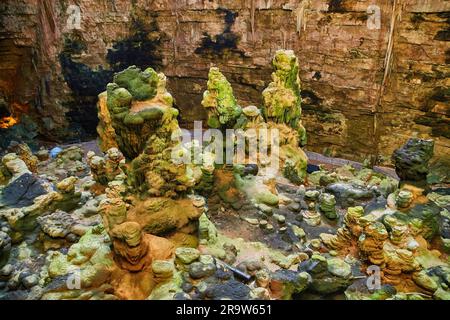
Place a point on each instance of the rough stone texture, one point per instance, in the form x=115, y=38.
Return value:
x=49, y=70
x=412, y=160
x=22, y=191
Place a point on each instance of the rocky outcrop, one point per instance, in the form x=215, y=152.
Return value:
x=412, y=160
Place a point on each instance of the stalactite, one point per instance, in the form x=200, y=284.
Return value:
x=264, y=4
x=175, y=38
x=252, y=17
x=300, y=15
x=299, y=11
x=283, y=38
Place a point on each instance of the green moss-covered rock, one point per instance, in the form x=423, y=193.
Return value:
x=207, y=230
x=187, y=255
x=119, y=99
x=142, y=85
x=295, y=163
x=328, y=206
x=91, y=257
x=167, y=290
x=133, y=120
x=267, y=198
x=219, y=101
x=153, y=113
x=339, y=268
x=282, y=99
x=412, y=160
x=290, y=282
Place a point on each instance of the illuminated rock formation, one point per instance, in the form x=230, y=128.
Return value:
x=144, y=181
x=106, y=169
x=140, y=119
x=282, y=100
x=281, y=113
x=371, y=243
x=223, y=110
x=349, y=233
x=134, y=249
x=412, y=160
x=24, y=152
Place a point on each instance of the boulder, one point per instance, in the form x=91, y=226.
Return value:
x=412, y=160
x=285, y=283
x=187, y=255
x=22, y=191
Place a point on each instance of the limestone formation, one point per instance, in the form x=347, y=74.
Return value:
x=281, y=113
x=14, y=166
x=223, y=110
x=282, y=100
x=412, y=160
x=24, y=152
x=372, y=241
x=328, y=205
x=135, y=250
x=56, y=225
x=137, y=220
x=144, y=122
x=404, y=199
x=312, y=218
x=348, y=233
x=106, y=169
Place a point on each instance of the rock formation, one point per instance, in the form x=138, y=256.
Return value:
x=144, y=183
x=412, y=160
x=219, y=101
x=281, y=112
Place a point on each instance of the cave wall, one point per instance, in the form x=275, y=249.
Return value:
x=352, y=107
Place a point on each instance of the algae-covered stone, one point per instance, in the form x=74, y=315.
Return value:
x=187, y=255
x=198, y=270
x=163, y=269
x=343, y=191
x=422, y=279
x=412, y=160
x=328, y=205
x=133, y=120
x=323, y=281
x=167, y=290
x=339, y=268
x=219, y=101
x=404, y=198
x=439, y=171
x=312, y=194
x=299, y=232
x=285, y=283
x=267, y=198
x=282, y=99
x=207, y=230
x=153, y=113
x=142, y=85
x=118, y=99
x=252, y=111
x=442, y=294
x=295, y=163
